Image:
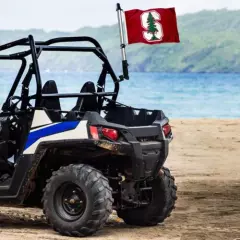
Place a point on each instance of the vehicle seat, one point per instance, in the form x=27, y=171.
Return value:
x=84, y=104
x=89, y=103
x=51, y=104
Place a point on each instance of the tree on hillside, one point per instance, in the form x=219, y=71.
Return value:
x=152, y=26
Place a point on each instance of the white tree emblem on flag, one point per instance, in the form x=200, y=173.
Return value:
x=153, y=28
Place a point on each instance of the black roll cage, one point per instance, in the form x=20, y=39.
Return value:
x=36, y=48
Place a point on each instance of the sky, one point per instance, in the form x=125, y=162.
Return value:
x=70, y=15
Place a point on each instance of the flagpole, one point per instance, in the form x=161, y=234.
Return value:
x=123, y=45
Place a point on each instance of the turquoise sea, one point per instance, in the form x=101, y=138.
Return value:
x=178, y=95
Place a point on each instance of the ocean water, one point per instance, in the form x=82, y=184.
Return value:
x=178, y=95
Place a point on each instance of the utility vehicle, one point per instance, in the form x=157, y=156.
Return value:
x=79, y=165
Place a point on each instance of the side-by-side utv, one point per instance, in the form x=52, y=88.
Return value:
x=79, y=165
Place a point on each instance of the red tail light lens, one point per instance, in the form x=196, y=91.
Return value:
x=166, y=129
x=94, y=132
x=110, y=133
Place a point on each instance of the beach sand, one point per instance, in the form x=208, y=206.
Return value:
x=205, y=160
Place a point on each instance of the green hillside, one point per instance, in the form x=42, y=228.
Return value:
x=210, y=42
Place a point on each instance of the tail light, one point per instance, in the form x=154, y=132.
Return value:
x=94, y=132
x=166, y=129
x=109, y=133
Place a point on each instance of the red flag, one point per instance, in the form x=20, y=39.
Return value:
x=151, y=26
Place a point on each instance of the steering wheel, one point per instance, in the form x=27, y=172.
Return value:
x=13, y=106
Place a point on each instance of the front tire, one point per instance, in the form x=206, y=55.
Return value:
x=77, y=200
x=163, y=202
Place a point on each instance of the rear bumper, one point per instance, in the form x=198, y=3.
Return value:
x=148, y=156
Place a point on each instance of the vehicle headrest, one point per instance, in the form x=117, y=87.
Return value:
x=50, y=87
x=51, y=103
x=88, y=87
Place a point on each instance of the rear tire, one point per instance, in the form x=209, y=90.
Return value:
x=77, y=200
x=163, y=202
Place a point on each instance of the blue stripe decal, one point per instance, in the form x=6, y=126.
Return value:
x=50, y=130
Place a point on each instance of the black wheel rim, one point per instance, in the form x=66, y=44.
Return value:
x=70, y=202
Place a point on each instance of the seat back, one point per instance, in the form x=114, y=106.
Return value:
x=51, y=104
x=88, y=103
x=84, y=104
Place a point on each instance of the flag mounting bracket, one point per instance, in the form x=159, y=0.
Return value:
x=122, y=44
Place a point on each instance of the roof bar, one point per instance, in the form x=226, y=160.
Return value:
x=66, y=39
x=13, y=44
x=69, y=95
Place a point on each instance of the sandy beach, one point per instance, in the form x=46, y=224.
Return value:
x=205, y=160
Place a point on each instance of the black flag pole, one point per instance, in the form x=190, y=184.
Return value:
x=123, y=45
